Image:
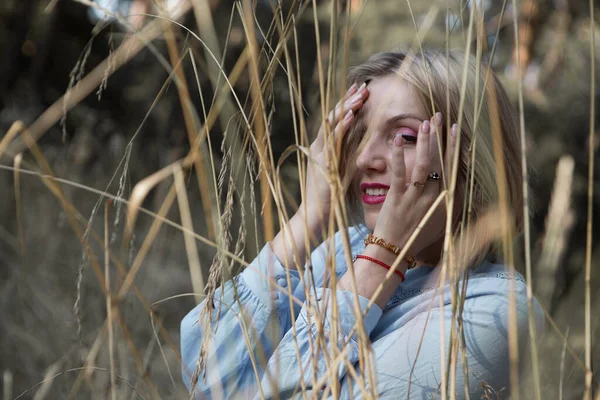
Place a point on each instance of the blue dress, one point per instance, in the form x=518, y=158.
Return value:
x=404, y=357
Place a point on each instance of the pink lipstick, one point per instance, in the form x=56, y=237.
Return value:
x=376, y=194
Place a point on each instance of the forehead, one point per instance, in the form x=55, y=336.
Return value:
x=390, y=96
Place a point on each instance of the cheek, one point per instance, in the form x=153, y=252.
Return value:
x=409, y=161
x=355, y=186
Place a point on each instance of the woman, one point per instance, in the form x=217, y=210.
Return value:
x=307, y=337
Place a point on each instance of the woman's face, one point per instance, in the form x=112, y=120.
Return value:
x=392, y=108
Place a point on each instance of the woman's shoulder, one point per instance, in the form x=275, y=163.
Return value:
x=489, y=284
x=493, y=269
x=493, y=284
x=496, y=278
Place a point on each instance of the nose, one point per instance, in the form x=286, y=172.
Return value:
x=371, y=157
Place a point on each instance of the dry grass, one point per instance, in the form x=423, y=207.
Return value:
x=115, y=364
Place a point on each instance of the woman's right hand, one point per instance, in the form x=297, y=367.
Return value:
x=318, y=188
x=289, y=245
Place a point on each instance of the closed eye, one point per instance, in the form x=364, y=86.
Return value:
x=409, y=135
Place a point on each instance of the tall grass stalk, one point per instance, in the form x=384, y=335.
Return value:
x=191, y=121
x=85, y=373
x=71, y=211
x=260, y=124
x=72, y=217
x=190, y=243
x=45, y=387
x=558, y=225
x=18, y=201
x=109, y=305
x=588, y=243
x=562, y=365
x=16, y=128
x=446, y=266
x=526, y=231
x=7, y=383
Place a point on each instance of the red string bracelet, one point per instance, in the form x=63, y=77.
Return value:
x=384, y=265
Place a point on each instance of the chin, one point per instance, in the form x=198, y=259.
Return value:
x=370, y=219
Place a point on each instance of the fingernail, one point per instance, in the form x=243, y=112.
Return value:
x=438, y=118
x=425, y=127
x=352, y=89
x=398, y=140
x=454, y=130
x=348, y=115
x=364, y=85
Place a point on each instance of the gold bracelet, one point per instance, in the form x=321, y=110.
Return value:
x=372, y=239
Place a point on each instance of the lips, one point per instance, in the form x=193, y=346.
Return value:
x=374, y=193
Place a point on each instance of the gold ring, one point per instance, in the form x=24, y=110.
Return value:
x=418, y=184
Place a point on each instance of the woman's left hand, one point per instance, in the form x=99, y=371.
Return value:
x=407, y=203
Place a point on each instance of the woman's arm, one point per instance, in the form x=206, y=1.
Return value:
x=290, y=243
x=304, y=356
x=252, y=311
x=263, y=292
x=249, y=317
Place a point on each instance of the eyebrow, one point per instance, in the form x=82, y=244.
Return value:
x=400, y=117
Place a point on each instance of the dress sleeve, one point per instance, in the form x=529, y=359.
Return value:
x=301, y=361
x=249, y=313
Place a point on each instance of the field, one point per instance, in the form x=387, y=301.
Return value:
x=141, y=165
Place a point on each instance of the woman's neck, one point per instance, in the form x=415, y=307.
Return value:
x=431, y=255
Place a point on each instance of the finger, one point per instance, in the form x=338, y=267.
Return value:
x=450, y=152
x=432, y=187
x=422, y=162
x=341, y=128
x=351, y=90
x=398, y=181
x=352, y=102
x=435, y=144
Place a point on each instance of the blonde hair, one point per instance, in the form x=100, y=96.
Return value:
x=432, y=75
